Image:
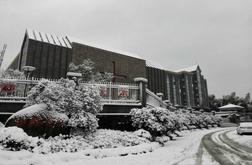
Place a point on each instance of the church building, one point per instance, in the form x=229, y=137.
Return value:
x=51, y=56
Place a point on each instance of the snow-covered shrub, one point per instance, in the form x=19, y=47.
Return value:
x=62, y=143
x=100, y=139
x=143, y=133
x=16, y=139
x=80, y=103
x=216, y=119
x=87, y=69
x=183, y=118
x=158, y=121
x=104, y=138
x=83, y=122
x=162, y=139
x=202, y=120
x=194, y=120
x=206, y=120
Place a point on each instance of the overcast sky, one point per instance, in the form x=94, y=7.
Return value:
x=216, y=34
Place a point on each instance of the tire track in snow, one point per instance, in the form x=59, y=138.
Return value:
x=224, y=151
x=234, y=144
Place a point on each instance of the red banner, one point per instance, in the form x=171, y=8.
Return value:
x=7, y=87
x=123, y=92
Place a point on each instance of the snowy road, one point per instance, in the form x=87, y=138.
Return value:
x=225, y=150
x=197, y=147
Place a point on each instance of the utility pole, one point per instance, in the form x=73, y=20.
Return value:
x=2, y=54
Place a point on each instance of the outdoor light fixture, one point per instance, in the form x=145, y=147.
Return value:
x=74, y=76
x=28, y=70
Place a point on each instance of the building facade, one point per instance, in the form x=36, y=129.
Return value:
x=186, y=87
x=51, y=56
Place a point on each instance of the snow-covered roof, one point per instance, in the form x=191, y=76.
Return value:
x=73, y=74
x=231, y=106
x=155, y=65
x=48, y=38
x=76, y=40
x=188, y=69
x=67, y=41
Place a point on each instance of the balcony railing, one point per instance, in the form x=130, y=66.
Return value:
x=15, y=89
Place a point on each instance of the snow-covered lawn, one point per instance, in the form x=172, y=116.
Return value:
x=245, y=140
x=183, y=150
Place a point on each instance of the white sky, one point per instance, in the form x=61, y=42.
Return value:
x=216, y=34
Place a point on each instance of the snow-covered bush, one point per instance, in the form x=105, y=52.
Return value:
x=216, y=120
x=202, y=120
x=88, y=71
x=61, y=143
x=158, y=121
x=143, y=133
x=83, y=122
x=16, y=139
x=183, y=118
x=80, y=103
x=105, y=138
x=206, y=120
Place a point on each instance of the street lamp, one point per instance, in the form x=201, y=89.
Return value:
x=28, y=70
x=74, y=76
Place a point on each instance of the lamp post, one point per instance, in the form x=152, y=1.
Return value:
x=27, y=70
x=74, y=76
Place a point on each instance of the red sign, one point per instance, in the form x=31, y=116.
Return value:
x=123, y=92
x=7, y=87
x=103, y=91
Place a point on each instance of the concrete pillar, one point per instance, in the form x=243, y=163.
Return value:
x=142, y=82
x=168, y=103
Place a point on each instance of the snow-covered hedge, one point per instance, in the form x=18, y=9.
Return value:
x=15, y=139
x=80, y=103
x=160, y=121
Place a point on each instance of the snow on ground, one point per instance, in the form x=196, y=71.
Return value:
x=182, y=151
x=245, y=140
